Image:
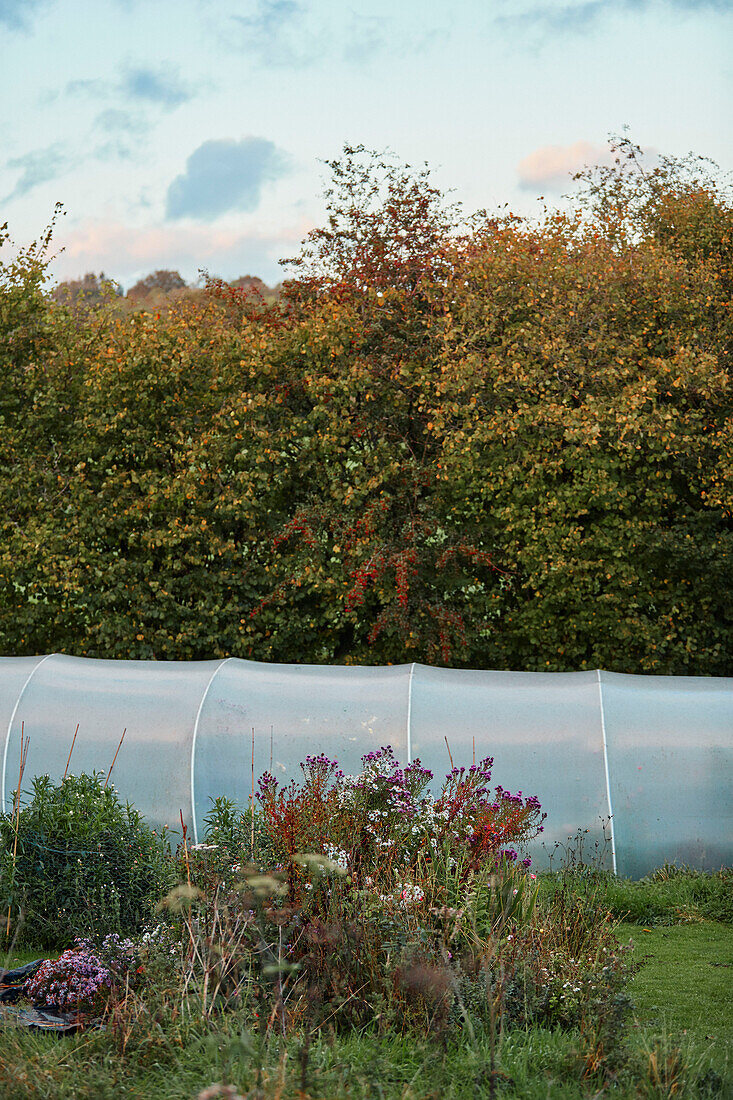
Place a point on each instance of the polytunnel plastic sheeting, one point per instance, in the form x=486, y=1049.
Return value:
x=157, y=704
x=544, y=732
x=15, y=674
x=295, y=711
x=658, y=750
x=670, y=760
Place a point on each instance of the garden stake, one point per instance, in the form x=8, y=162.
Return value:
x=252, y=801
x=24, y=743
x=449, y=755
x=73, y=742
x=185, y=850
x=115, y=757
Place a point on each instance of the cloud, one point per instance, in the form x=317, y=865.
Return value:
x=37, y=167
x=275, y=33
x=695, y=6
x=122, y=131
x=224, y=175
x=94, y=87
x=563, y=18
x=130, y=253
x=16, y=14
x=155, y=86
x=289, y=34
x=119, y=121
x=551, y=167
x=366, y=38
x=269, y=18
x=139, y=88
x=143, y=85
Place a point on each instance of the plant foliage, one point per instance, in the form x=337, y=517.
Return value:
x=84, y=864
x=501, y=444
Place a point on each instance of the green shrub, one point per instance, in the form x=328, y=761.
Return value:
x=230, y=841
x=84, y=864
x=230, y=829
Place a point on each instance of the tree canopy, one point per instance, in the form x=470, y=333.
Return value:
x=163, y=280
x=491, y=442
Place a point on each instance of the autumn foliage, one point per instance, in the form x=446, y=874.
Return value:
x=495, y=444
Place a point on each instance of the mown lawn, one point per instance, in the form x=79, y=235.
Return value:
x=685, y=985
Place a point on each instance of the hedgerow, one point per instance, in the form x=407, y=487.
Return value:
x=502, y=444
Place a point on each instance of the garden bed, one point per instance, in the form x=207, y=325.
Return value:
x=355, y=936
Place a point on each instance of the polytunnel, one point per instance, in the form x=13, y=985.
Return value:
x=643, y=763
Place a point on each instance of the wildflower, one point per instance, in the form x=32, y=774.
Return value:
x=410, y=893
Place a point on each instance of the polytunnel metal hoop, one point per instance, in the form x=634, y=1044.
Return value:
x=408, y=731
x=28, y=679
x=608, y=776
x=213, y=676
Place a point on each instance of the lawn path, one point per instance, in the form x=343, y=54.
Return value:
x=686, y=983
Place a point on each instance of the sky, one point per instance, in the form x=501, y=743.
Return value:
x=192, y=134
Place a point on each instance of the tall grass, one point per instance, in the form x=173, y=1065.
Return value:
x=670, y=895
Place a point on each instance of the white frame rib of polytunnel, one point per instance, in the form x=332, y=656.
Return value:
x=612, y=834
x=14, y=711
x=207, y=689
x=641, y=755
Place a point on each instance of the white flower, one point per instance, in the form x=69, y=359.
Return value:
x=338, y=855
x=409, y=893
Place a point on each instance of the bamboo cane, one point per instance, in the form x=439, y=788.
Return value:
x=115, y=756
x=24, y=743
x=184, y=829
x=252, y=801
x=73, y=742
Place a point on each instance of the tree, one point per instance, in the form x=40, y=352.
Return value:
x=592, y=404
x=256, y=289
x=510, y=447
x=164, y=281
x=387, y=226
x=88, y=292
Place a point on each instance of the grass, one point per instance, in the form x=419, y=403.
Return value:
x=533, y=1065
x=22, y=956
x=670, y=896
x=685, y=984
x=683, y=999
